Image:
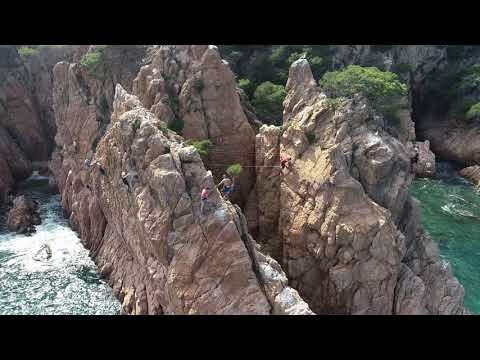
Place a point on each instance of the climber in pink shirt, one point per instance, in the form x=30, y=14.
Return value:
x=204, y=197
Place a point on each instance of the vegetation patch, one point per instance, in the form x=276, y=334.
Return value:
x=451, y=90
x=381, y=88
x=234, y=169
x=202, y=146
x=333, y=104
x=268, y=101
x=26, y=52
x=94, y=62
x=136, y=125
x=318, y=56
x=256, y=65
x=247, y=86
x=473, y=112
x=311, y=137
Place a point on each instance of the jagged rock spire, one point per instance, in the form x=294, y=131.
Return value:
x=300, y=85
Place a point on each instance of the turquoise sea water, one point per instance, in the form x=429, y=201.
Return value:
x=451, y=215
x=67, y=283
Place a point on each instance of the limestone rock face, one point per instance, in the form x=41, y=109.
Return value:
x=472, y=173
x=425, y=165
x=347, y=228
x=160, y=254
x=23, y=216
x=193, y=86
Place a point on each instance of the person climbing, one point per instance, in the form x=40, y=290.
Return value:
x=285, y=161
x=87, y=163
x=101, y=169
x=204, y=198
x=227, y=186
x=125, y=181
x=129, y=178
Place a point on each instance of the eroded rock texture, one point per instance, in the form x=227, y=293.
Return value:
x=160, y=255
x=347, y=228
x=192, y=87
x=340, y=221
x=23, y=216
x=27, y=124
x=472, y=173
x=14, y=102
x=425, y=164
x=453, y=140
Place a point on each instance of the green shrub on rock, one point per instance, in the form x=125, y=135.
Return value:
x=234, y=169
x=474, y=112
x=94, y=62
x=311, y=138
x=26, y=52
x=268, y=101
x=381, y=88
x=136, y=125
x=247, y=86
x=202, y=146
x=333, y=104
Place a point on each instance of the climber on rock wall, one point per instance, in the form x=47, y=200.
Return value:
x=227, y=186
x=125, y=181
x=204, y=198
x=285, y=161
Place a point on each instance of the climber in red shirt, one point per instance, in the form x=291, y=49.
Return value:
x=204, y=197
x=285, y=161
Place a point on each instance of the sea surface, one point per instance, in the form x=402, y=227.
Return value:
x=451, y=215
x=66, y=283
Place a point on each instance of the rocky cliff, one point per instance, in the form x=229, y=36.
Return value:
x=160, y=254
x=340, y=222
x=472, y=173
x=347, y=230
x=20, y=130
x=23, y=216
x=424, y=164
x=194, y=91
x=452, y=140
x=27, y=124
